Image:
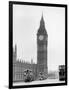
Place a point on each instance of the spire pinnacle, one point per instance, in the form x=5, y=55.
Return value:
x=42, y=14
x=42, y=17
x=15, y=48
x=42, y=21
x=31, y=61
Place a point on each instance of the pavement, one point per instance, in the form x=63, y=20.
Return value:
x=47, y=81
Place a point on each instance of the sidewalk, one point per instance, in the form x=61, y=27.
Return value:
x=47, y=81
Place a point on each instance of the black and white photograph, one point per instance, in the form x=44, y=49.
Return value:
x=38, y=44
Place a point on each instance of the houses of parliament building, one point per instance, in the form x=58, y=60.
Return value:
x=41, y=66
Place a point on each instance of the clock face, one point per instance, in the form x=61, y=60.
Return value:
x=41, y=37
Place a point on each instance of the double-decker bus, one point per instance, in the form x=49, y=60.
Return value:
x=62, y=72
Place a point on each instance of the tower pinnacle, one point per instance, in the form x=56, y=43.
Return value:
x=42, y=20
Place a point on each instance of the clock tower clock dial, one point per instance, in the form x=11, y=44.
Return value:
x=41, y=37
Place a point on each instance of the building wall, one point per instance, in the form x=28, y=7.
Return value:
x=19, y=68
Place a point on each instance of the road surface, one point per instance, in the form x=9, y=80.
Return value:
x=47, y=81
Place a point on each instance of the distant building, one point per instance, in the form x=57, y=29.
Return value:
x=41, y=67
x=53, y=75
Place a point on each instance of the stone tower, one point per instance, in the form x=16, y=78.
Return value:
x=42, y=39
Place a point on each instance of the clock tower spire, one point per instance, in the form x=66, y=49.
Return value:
x=42, y=49
x=42, y=27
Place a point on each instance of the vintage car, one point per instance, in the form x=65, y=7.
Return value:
x=28, y=75
x=41, y=76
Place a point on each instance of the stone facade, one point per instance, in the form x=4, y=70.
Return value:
x=19, y=66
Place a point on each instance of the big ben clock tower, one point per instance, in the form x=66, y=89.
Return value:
x=42, y=39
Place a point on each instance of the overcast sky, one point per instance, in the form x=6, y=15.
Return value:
x=26, y=21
